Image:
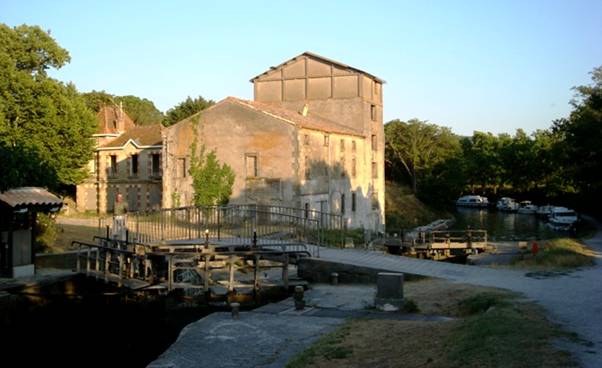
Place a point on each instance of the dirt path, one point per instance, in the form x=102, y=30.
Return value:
x=572, y=299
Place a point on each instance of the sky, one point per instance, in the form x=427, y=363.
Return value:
x=491, y=66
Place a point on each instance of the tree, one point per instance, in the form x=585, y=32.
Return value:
x=416, y=146
x=45, y=126
x=141, y=110
x=211, y=182
x=185, y=109
x=582, y=134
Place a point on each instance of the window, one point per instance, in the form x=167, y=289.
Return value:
x=342, y=145
x=181, y=167
x=353, y=169
x=326, y=140
x=134, y=165
x=342, y=204
x=374, y=143
x=342, y=166
x=353, y=147
x=352, y=201
x=252, y=167
x=374, y=170
x=113, y=165
x=306, y=210
x=156, y=164
x=373, y=112
x=306, y=139
x=375, y=201
x=307, y=170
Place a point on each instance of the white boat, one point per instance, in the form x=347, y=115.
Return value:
x=562, y=218
x=527, y=208
x=472, y=201
x=544, y=211
x=507, y=204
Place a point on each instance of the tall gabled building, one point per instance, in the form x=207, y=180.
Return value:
x=312, y=138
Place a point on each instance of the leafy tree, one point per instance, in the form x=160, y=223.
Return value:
x=417, y=146
x=185, y=109
x=45, y=126
x=141, y=110
x=582, y=136
x=211, y=182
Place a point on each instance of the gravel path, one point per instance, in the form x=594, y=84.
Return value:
x=573, y=299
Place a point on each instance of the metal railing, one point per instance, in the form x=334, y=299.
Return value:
x=236, y=224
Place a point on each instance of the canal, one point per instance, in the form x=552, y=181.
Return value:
x=84, y=322
x=504, y=226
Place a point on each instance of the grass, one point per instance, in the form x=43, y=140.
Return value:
x=557, y=254
x=67, y=233
x=493, y=329
x=509, y=335
x=328, y=347
x=403, y=210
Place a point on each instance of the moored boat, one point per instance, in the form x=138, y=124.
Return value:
x=507, y=204
x=472, y=201
x=562, y=218
x=527, y=208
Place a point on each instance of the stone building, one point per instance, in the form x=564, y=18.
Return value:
x=127, y=160
x=313, y=138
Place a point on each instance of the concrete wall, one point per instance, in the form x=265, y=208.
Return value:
x=238, y=134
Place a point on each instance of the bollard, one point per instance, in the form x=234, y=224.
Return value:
x=334, y=278
x=235, y=310
x=389, y=294
x=298, y=297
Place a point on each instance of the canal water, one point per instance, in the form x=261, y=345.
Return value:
x=82, y=322
x=503, y=226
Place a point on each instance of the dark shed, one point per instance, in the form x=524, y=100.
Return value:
x=18, y=210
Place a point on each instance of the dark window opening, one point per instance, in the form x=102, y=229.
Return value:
x=252, y=167
x=134, y=164
x=353, y=202
x=326, y=138
x=181, y=168
x=342, y=204
x=306, y=139
x=353, y=168
x=156, y=164
x=373, y=112
x=374, y=170
x=374, y=143
x=306, y=210
x=307, y=169
x=113, y=165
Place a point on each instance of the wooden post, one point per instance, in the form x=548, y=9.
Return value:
x=120, y=259
x=206, y=278
x=97, y=263
x=170, y=272
x=256, y=274
x=78, y=261
x=285, y=271
x=88, y=261
x=231, y=273
x=218, y=224
x=107, y=264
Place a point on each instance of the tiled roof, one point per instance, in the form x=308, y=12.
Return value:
x=108, y=118
x=29, y=196
x=321, y=58
x=144, y=135
x=311, y=121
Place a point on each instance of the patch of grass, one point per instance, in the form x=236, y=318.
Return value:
x=403, y=210
x=329, y=347
x=481, y=302
x=557, y=253
x=510, y=335
x=410, y=306
x=68, y=233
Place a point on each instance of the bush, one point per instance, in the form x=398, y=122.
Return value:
x=45, y=232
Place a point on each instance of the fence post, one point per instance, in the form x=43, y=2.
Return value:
x=218, y=223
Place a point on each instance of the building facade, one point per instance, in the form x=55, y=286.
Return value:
x=313, y=137
x=127, y=160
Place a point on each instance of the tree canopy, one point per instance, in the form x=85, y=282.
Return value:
x=141, y=110
x=45, y=126
x=185, y=109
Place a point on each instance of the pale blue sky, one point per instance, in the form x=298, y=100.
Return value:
x=470, y=65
